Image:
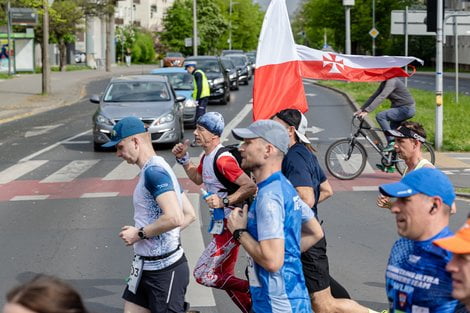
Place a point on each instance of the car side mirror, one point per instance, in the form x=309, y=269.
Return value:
x=95, y=99
x=227, y=70
x=180, y=99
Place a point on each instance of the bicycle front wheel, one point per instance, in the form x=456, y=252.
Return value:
x=427, y=153
x=345, y=159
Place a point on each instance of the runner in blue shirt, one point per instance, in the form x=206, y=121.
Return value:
x=270, y=231
x=416, y=279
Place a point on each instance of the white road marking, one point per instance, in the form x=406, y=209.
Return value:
x=78, y=142
x=19, y=169
x=40, y=130
x=29, y=198
x=70, y=171
x=123, y=171
x=314, y=129
x=235, y=121
x=33, y=155
x=99, y=194
x=310, y=94
x=463, y=158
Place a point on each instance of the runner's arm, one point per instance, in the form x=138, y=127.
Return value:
x=172, y=217
x=192, y=171
x=311, y=234
x=247, y=189
x=269, y=254
x=326, y=191
x=307, y=194
x=188, y=211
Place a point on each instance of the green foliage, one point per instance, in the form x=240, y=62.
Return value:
x=213, y=25
x=456, y=127
x=317, y=17
x=142, y=49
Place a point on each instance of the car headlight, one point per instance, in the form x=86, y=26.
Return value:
x=218, y=81
x=101, y=119
x=166, y=118
x=190, y=103
x=232, y=76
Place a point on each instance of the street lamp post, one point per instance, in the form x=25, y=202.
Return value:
x=230, y=27
x=9, y=38
x=373, y=26
x=347, y=6
x=194, y=28
x=46, y=67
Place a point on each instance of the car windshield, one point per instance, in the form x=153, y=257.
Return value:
x=208, y=66
x=137, y=92
x=238, y=61
x=174, y=55
x=180, y=81
x=228, y=64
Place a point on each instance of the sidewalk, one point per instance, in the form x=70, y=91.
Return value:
x=21, y=96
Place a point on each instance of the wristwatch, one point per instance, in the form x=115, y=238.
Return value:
x=142, y=234
x=238, y=232
x=225, y=201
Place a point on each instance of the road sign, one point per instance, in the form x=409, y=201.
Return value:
x=348, y=2
x=374, y=32
x=417, y=23
x=23, y=16
x=188, y=42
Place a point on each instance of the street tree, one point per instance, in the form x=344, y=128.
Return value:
x=178, y=25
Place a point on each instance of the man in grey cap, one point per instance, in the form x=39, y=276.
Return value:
x=270, y=230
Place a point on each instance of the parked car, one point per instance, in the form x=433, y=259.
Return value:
x=252, y=58
x=241, y=62
x=182, y=83
x=148, y=97
x=172, y=59
x=233, y=72
x=227, y=52
x=216, y=75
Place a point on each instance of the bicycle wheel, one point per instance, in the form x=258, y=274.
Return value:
x=427, y=152
x=345, y=159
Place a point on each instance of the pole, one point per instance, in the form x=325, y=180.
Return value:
x=230, y=27
x=373, y=26
x=456, y=49
x=9, y=38
x=439, y=66
x=406, y=39
x=348, y=29
x=194, y=28
x=46, y=70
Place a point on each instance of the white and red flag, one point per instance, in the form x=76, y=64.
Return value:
x=281, y=65
x=278, y=84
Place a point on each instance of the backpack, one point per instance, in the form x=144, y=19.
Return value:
x=229, y=186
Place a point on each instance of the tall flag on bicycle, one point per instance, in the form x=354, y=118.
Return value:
x=281, y=65
x=278, y=84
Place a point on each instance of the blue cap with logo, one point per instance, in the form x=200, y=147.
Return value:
x=271, y=131
x=429, y=181
x=213, y=122
x=126, y=127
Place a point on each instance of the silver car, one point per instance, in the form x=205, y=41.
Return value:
x=148, y=97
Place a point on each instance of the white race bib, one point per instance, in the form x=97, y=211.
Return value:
x=136, y=274
x=252, y=276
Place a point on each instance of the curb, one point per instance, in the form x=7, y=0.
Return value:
x=463, y=195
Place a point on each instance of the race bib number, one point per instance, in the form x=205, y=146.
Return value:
x=252, y=276
x=136, y=274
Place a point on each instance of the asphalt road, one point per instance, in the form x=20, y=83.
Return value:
x=69, y=228
x=428, y=82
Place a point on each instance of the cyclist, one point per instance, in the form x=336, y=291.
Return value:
x=403, y=106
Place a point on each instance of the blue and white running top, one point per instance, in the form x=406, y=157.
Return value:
x=276, y=213
x=156, y=178
x=416, y=279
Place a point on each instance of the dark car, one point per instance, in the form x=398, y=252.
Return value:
x=233, y=72
x=252, y=58
x=216, y=75
x=227, y=52
x=242, y=64
x=147, y=97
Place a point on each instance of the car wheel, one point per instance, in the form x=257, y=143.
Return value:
x=237, y=85
x=246, y=82
x=97, y=147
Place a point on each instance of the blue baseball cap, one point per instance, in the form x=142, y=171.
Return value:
x=429, y=181
x=213, y=122
x=271, y=131
x=126, y=127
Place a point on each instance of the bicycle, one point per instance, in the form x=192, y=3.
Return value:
x=346, y=158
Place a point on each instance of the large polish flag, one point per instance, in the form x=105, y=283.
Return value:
x=281, y=64
x=278, y=84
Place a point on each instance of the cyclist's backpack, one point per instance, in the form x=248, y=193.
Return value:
x=229, y=186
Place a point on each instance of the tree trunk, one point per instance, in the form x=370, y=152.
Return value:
x=62, y=55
